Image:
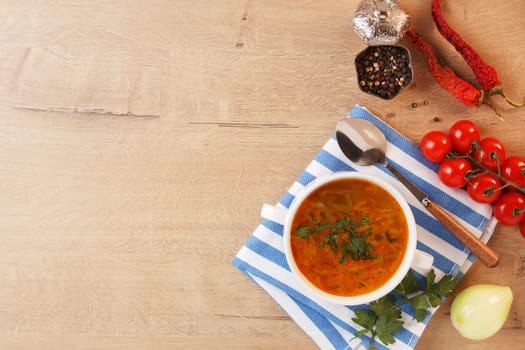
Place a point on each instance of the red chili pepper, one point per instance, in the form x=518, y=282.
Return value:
x=444, y=76
x=486, y=75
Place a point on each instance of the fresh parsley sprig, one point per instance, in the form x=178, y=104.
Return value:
x=382, y=319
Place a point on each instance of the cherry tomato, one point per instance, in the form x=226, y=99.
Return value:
x=484, y=188
x=513, y=169
x=490, y=153
x=452, y=172
x=462, y=133
x=435, y=145
x=509, y=208
x=522, y=228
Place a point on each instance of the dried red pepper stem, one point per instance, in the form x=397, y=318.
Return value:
x=486, y=75
x=444, y=76
x=498, y=90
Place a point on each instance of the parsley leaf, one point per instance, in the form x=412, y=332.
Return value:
x=365, y=319
x=446, y=285
x=388, y=324
x=436, y=292
x=434, y=299
x=302, y=232
x=408, y=285
x=420, y=304
x=382, y=320
x=431, y=277
x=383, y=304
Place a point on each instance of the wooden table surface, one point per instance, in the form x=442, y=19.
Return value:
x=139, y=139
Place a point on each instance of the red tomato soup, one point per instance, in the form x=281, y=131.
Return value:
x=349, y=236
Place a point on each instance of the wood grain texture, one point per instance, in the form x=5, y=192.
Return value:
x=139, y=139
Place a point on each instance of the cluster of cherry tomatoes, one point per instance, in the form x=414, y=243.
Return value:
x=481, y=166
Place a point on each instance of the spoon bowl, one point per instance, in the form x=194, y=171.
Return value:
x=361, y=141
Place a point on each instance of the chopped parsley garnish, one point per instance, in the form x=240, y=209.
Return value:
x=346, y=236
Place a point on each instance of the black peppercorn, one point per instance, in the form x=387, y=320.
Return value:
x=383, y=70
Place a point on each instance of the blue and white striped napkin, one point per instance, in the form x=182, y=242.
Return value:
x=262, y=258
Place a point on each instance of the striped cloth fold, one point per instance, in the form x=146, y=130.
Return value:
x=330, y=326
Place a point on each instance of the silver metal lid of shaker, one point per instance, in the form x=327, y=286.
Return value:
x=380, y=22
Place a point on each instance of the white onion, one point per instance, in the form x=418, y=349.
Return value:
x=479, y=311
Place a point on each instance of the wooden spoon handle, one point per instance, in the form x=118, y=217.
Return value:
x=476, y=246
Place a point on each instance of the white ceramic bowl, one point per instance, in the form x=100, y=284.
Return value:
x=402, y=270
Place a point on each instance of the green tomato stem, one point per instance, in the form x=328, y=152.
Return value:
x=506, y=182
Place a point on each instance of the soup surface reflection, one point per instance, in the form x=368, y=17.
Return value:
x=349, y=237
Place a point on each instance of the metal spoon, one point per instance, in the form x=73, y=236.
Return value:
x=364, y=144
